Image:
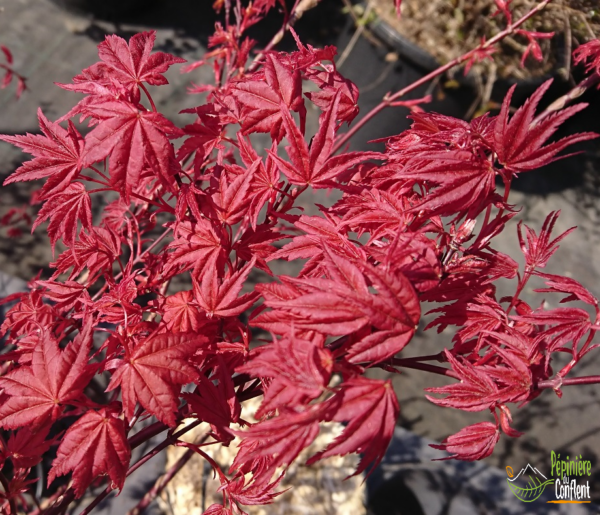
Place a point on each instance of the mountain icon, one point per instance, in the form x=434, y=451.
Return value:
x=531, y=484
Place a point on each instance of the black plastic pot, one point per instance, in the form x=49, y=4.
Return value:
x=369, y=67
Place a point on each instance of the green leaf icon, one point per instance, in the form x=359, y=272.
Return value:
x=534, y=489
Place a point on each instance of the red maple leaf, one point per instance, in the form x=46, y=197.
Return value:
x=342, y=304
x=300, y=371
x=153, y=371
x=129, y=65
x=205, y=135
x=262, y=98
x=310, y=245
x=280, y=439
x=131, y=138
x=519, y=143
x=476, y=390
x=97, y=251
x=230, y=197
x=57, y=156
x=370, y=407
x=568, y=324
x=588, y=53
x=28, y=315
x=332, y=85
x=316, y=166
x=254, y=493
x=66, y=210
x=539, y=249
x=181, y=314
x=216, y=404
x=37, y=393
x=463, y=183
x=198, y=245
x=96, y=444
x=66, y=294
x=560, y=284
x=471, y=443
x=222, y=299
x=25, y=447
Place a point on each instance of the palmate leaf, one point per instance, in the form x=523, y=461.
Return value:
x=370, y=407
x=131, y=138
x=463, y=183
x=342, y=304
x=519, y=142
x=56, y=377
x=95, y=444
x=153, y=371
x=264, y=100
x=471, y=443
x=125, y=64
x=316, y=166
x=476, y=390
x=65, y=210
x=56, y=155
x=280, y=439
x=222, y=300
x=196, y=245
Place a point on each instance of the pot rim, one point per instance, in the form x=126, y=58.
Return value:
x=423, y=59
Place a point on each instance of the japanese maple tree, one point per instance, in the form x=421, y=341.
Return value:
x=201, y=202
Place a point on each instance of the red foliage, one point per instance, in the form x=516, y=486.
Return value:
x=224, y=207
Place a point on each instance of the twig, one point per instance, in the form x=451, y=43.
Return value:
x=148, y=456
x=567, y=98
x=416, y=365
x=300, y=7
x=162, y=482
x=558, y=382
x=357, y=33
x=389, y=99
x=136, y=260
x=367, y=33
x=568, y=41
x=11, y=501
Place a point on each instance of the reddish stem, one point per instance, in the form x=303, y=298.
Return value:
x=161, y=204
x=11, y=502
x=135, y=261
x=161, y=483
x=288, y=21
x=100, y=173
x=164, y=480
x=416, y=365
x=149, y=97
x=70, y=494
x=559, y=382
x=389, y=99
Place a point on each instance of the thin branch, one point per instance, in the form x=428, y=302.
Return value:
x=148, y=95
x=11, y=501
x=367, y=33
x=560, y=382
x=161, y=483
x=155, y=243
x=70, y=494
x=357, y=33
x=389, y=99
x=405, y=363
x=567, y=98
x=300, y=7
